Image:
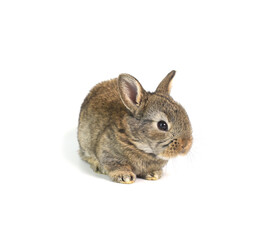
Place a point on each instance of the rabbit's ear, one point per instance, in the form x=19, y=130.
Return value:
x=166, y=84
x=131, y=91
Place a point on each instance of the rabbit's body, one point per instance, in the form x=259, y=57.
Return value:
x=115, y=129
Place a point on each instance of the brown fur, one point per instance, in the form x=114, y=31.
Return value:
x=118, y=133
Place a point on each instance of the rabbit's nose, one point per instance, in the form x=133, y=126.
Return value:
x=185, y=144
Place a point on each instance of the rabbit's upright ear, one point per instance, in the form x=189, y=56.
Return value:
x=166, y=84
x=131, y=91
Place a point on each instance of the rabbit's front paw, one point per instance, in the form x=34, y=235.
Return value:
x=155, y=175
x=122, y=176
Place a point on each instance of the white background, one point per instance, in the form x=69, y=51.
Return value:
x=53, y=52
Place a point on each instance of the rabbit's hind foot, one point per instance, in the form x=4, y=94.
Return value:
x=94, y=163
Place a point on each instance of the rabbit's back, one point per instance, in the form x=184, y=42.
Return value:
x=101, y=109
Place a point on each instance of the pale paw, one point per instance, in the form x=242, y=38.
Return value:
x=125, y=177
x=155, y=175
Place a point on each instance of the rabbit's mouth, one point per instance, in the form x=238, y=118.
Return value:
x=177, y=146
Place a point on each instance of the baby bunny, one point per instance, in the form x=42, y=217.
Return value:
x=126, y=132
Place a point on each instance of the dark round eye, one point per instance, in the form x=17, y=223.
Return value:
x=162, y=125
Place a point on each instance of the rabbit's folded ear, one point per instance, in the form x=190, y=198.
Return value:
x=131, y=91
x=166, y=84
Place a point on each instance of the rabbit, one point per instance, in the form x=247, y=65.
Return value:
x=126, y=132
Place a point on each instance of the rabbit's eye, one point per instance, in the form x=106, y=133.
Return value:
x=162, y=125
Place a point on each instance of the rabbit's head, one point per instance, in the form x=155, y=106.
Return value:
x=156, y=123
